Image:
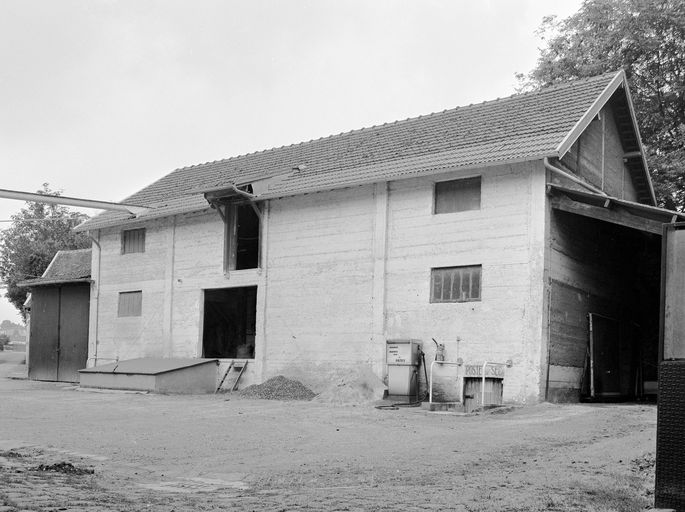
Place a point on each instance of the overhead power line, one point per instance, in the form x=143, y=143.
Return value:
x=55, y=219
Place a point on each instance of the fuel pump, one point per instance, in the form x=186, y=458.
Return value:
x=403, y=358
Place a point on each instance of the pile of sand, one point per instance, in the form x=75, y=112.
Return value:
x=278, y=388
x=351, y=387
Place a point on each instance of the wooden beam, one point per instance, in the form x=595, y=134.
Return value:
x=219, y=210
x=614, y=216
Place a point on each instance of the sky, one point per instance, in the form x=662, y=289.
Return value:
x=102, y=97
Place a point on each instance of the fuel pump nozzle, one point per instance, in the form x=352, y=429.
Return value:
x=439, y=350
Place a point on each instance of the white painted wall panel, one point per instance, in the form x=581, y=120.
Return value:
x=319, y=308
x=320, y=277
x=183, y=257
x=198, y=266
x=129, y=337
x=506, y=237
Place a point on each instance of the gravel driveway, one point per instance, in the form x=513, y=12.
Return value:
x=157, y=452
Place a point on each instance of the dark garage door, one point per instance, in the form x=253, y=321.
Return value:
x=59, y=332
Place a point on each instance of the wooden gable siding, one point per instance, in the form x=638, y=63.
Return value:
x=597, y=156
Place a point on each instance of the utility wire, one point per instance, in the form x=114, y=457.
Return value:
x=40, y=220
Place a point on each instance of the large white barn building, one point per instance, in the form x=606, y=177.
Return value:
x=494, y=228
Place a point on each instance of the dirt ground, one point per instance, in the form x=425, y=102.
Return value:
x=188, y=453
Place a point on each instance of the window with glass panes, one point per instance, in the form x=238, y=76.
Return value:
x=457, y=195
x=456, y=284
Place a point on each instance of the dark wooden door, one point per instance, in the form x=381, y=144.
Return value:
x=606, y=361
x=44, y=342
x=58, y=346
x=73, y=332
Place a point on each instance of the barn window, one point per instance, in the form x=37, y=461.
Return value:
x=242, y=237
x=457, y=195
x=456, y=284
x=133, y=240
x=130, y=303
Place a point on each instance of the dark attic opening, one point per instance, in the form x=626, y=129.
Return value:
x=603, y=311
x=229, y=323
x=241, y=215
x=246, y=237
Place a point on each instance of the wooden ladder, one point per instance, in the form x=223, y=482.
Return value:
x=237, y=367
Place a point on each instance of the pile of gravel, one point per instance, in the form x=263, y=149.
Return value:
x=278, y=388
x=64, y=467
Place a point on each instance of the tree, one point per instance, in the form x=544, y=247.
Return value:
x=646, y=38
x=37, y=232
x=4, y=340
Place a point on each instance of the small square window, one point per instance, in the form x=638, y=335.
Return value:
x=456, y=284
x=457, y=195
x=133, y=240
x=130, y=303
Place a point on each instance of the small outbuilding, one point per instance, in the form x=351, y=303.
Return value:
x=60, y=304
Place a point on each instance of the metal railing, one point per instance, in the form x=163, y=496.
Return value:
x=460, y=363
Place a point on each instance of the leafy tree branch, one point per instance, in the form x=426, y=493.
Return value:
x=37, y=232
x=646, y=38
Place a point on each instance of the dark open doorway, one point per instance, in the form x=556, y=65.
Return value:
x=247, y=238
x=242, y=236
x=604, y=310
x=229, y=323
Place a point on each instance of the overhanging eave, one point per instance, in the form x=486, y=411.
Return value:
x=644, y=218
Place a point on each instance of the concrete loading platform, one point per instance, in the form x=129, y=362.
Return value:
x=158, y=375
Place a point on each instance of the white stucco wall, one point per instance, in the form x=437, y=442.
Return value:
x=506, y=237
x=320, y=274
x=345, y=271
x=183, y=256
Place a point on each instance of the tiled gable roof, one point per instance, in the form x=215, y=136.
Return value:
x=66, y=266
x=521, y=127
